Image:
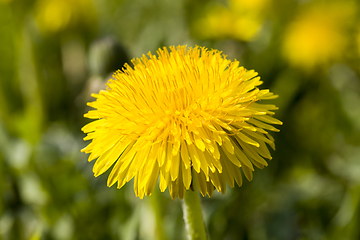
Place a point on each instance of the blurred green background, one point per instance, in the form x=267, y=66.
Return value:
x=54, y=53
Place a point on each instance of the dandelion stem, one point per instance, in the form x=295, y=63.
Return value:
x=157, y=204
x=194, y=223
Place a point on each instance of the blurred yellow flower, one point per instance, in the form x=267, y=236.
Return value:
x=242, y=20
x=318, y=36
x=57, y=15
x=185, y=115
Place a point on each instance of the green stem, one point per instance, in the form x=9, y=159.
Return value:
x=157, y=204
x=194, y=223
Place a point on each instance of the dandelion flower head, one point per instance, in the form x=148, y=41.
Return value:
x=187, y=114
x=57, y=15
x=237, y=19
x=317, y=36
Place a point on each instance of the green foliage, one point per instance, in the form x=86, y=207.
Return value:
x=311, y=188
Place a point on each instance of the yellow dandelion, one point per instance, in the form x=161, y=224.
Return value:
x=188, y=114
x=318, y=35
x=57, y=15
x=241, y=20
